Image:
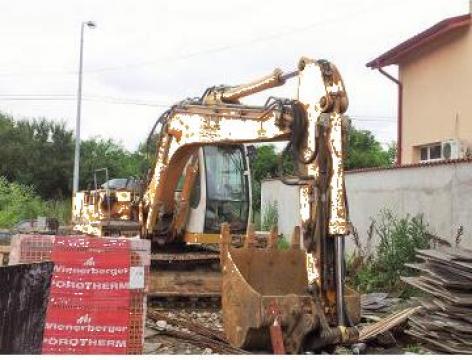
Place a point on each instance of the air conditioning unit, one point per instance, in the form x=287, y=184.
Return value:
x=452, y=149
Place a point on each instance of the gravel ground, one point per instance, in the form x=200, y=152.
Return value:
x=156, y=343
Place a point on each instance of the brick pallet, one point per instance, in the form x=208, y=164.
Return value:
x=97, y=303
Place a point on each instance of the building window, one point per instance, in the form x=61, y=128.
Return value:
x=430, y=152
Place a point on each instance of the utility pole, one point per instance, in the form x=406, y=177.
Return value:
x=75, y=186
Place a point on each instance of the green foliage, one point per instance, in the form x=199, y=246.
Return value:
x=97, y=153
x=266, y=165
x=414, y=348
x=270, y=217
x=257, y=220
x=40, y=153
x=283, y=243
x=365, y=151
x=19, y=202
x=263, y=166
x=399, y=237
x=37, y=152
x=58, y=209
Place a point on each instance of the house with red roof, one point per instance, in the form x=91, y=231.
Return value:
x=434, y=92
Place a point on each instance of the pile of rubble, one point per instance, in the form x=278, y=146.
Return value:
x=444, y=323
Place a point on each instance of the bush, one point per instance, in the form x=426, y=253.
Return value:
x=399, y=237
x=19, y=202
x=283, y=243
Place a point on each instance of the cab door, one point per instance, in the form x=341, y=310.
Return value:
x=221, y=194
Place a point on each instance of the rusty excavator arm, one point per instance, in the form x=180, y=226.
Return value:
x=219, y=118
x=314, y=125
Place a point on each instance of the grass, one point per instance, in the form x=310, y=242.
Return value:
x=414, y=348
x=283, y=243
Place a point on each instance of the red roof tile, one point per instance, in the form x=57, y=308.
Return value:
x=394, y=55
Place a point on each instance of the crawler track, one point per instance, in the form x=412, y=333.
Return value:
x=189, y=275
x=183, y=274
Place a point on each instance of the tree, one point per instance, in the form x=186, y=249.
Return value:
x=364, y=151
x=40, y=153
x=97, y=153
x=37, y=152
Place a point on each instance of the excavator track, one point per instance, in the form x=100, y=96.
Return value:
x=187, y=273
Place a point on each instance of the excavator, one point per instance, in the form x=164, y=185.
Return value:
x=195, y=207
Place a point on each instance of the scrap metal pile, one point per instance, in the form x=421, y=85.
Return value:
x=444, y=323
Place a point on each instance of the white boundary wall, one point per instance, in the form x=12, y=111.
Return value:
x=288, y=204
x=442, y=193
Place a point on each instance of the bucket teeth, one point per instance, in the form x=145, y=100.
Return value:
x=295, y=242
x=273, y=237
x=250, y=240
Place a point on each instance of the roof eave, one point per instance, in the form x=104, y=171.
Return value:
x=394, y=55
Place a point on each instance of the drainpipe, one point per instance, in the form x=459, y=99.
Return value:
x=399, y=109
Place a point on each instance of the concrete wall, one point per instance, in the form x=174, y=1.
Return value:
x=288, y=204
x=443, y=193
x=436, y=93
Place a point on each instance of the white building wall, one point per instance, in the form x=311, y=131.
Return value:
x=442, y=193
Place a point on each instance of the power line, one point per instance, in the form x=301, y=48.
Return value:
x=127, y=102
x=139, y=102
x=373, y=116
x=224, y=47
x=332, y=20
x=85, y=98
x=12, y=98
x=34, y=94
x=373, y=120
x=131, y=101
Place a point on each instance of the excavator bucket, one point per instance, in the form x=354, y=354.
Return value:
x=265, y=288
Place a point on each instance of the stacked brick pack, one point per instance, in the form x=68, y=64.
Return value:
x=97, y=303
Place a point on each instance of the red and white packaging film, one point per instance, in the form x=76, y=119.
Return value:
x=97, y=303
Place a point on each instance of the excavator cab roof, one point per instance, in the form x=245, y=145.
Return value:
x=122, y=183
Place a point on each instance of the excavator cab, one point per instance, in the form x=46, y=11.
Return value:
x=221, y=193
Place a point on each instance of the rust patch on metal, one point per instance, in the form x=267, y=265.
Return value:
x=254, y=280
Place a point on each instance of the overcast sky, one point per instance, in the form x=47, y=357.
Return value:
x=144, y=55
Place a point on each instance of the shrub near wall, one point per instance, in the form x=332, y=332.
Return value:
x=399, y=237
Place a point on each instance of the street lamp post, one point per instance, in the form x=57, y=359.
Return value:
x=75, y=187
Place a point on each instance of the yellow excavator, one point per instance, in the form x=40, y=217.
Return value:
x=199, y=193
